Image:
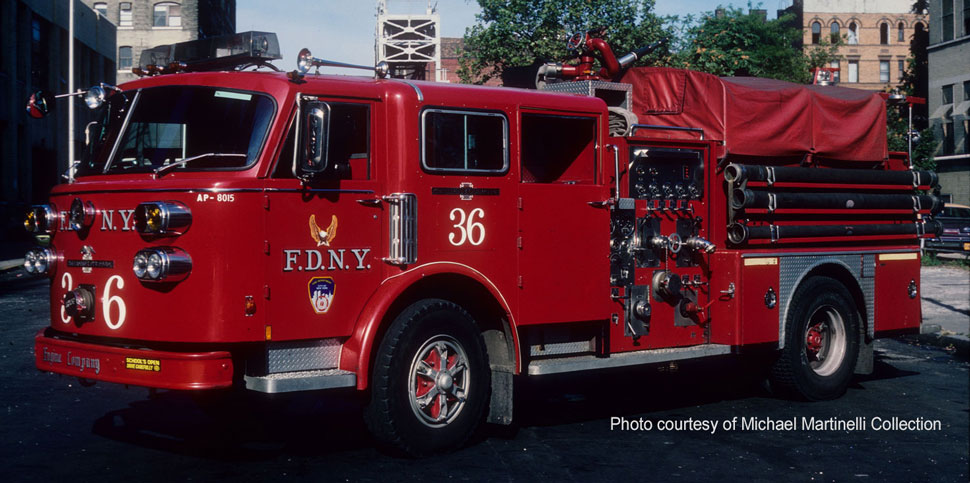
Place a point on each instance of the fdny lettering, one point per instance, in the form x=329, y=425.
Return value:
x=313, y=260
x=108, y=224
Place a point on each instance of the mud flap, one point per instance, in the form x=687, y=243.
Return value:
x=500, y=403
x=863, y=364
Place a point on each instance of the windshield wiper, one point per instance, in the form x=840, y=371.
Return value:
x=159, y=171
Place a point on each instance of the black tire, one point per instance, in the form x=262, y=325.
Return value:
x=821, y=342
x=407, y=369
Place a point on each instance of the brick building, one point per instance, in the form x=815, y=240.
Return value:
x=143, y=24
x=949, y=94
x=876, y=34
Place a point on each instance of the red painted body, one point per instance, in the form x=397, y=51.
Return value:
x=538, y=251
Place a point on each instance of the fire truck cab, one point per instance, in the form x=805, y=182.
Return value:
x=427, y=242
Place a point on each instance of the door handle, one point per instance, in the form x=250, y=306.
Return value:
x=370, y=202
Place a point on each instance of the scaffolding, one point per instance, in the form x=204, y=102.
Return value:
x=410, y=43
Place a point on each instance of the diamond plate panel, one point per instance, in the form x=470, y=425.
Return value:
x=302, y=355
x=792, y=269
x=558, y=348
x=589, y=88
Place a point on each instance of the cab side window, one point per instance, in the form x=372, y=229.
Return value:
x=348, y=151
x=558, y=149
x=467, y=142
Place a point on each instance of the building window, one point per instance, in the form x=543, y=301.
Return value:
x=966, y=90
x=901, y=67
x=834, y=30
x=883, y=71
x=900, y=32
x=947, y=20
x=949, y=146
x=167, y=15
x=966, y=31
x=124, y=14
x=124, y=58
x=853, y=71
x=853, y=33
x=816, y=32
x=835, y=74
x=948, y=94
x=101, y=8
x=884, y=33
x=39, y=53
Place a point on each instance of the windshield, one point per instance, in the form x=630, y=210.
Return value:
x=222, y=129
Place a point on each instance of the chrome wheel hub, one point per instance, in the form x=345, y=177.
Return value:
x=438, y=381
x=825, y=341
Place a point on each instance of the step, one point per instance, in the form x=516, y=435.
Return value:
x=301, y=381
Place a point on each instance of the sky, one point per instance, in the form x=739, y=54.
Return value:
x=344, y=30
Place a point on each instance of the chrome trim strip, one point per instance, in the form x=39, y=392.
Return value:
x=301, y=381
x=623, y=359
x=417, y=90
x=217, y=190
x=817, y=254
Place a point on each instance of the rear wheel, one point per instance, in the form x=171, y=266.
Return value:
x=430, y=381
x=821, y=342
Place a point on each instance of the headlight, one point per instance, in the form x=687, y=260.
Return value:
x=162, y=264
x=140, y=265
x=162, y=218
x=39, y=260
x=81, y=215
x=41, y=219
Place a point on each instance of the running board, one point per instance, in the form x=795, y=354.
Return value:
x=622, y=359
x=301, y=381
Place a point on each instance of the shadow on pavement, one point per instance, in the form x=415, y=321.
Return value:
x=255, y=427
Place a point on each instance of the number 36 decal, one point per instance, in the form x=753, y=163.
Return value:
x=107, y=301
x=469, y=230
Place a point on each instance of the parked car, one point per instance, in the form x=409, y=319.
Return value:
x=956, y=230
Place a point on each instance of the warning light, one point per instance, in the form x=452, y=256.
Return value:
x=250, y=305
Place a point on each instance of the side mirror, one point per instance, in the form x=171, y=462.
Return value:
x=315, y=137
x=39, y=104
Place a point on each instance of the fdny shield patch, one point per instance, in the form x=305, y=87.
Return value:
x=321, y=291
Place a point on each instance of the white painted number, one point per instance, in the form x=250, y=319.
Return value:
x=468, y=229
x=109, y=299
x=67, y=283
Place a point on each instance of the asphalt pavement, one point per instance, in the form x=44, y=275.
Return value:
x=913, y=409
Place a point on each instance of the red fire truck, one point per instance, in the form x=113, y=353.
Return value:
x=428, y=242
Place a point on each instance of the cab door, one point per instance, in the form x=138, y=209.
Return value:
x=323, y=237
x=563, y=226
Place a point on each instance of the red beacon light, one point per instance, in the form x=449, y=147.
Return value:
x=224, y=52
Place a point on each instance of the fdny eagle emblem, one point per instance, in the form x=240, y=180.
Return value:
x=321, y=236
x=321, y=293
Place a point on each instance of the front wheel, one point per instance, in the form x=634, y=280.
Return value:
x=821, y=342
x=430, y=380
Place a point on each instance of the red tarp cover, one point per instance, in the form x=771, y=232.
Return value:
x=764, y=117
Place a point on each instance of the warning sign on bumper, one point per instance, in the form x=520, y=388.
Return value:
x=142, y=364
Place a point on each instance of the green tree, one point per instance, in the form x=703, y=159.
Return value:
x=915, y=82
x=517, y=33
x=733, y=43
